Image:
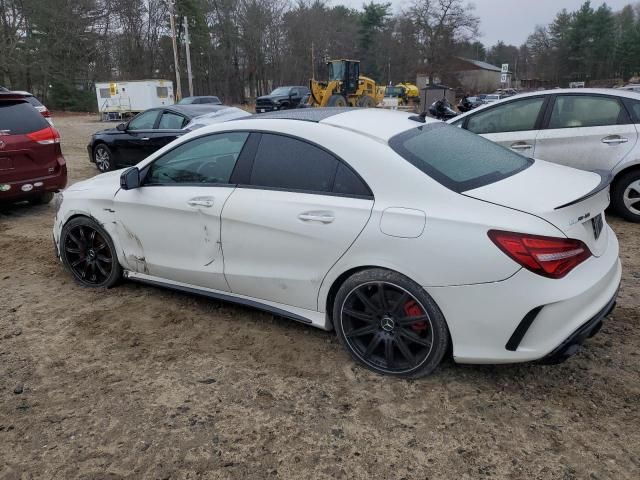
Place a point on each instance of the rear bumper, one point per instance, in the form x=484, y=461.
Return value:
x=33, y=187
x=484, y=318
x=572, y=344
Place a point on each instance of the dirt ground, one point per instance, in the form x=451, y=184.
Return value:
x=138, y=382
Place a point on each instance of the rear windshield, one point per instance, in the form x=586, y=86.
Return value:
x=458, y=159
x=20, y=118
x=33, y=101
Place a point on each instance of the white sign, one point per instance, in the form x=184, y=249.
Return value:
x=505, y=68
x=503, y=78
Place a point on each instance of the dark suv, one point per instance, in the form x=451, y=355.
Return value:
x=282, y=98
x=31, y=163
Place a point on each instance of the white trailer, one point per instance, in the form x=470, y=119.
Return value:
x=117, y=100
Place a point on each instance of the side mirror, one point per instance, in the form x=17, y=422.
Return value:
x=122, y=127
x=130, y=178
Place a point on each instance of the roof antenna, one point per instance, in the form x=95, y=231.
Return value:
x=420, y=117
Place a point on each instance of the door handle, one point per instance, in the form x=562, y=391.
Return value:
x=145, y=138
x=206, y=202
x=322, y=217
x=614, y=140
x=521, y=146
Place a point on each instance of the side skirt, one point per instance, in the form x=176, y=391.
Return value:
x=309, y=317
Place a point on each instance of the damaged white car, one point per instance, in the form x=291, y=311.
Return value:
x=409, y=237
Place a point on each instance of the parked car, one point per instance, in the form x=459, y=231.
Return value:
x=3, y=89
x=222, y=115
x=31, y=163
x=44, y=111
x=131, y=142
x=282, y=98
x=632, y=87
x=590, y=129
x=492, y=97
x=200, y=100
x=465, y=246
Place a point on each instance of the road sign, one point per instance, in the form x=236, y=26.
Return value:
x=503, y=78
x=505, y=68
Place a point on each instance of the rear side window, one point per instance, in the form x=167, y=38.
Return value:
x=456, y=158
x=290, y=164
x=572, y=111
x=171, y=121
x=19, y=118
x=634, y=106
x=348, y=183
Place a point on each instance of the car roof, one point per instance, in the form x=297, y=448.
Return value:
x=376, y=123
x=23, y=92
x=556, y=91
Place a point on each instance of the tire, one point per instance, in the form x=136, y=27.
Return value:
x=625, y=196
x=366, y=101
x=42, y=199
x=87, y=251
x=103, y=158
x=404, y=336
x=337, y=100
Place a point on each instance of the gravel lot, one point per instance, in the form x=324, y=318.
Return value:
x=138, y=382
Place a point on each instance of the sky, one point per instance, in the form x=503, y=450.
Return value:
x=508, y=20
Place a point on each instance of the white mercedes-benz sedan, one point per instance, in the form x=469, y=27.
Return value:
x=409, y=237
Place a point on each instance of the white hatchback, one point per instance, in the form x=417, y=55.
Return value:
x=589, y=129
x=408, y=237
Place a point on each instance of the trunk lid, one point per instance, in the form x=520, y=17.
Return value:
x=568, y=198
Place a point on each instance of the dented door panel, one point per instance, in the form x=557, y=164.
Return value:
x=173, y=232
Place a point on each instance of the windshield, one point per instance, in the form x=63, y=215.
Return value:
x=393, y=92
x=336, y=71
x=281, y=91
x=456, y=158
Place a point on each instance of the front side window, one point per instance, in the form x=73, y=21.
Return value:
x=517, y=116
x=205, y=160
x=144, y=121
x=290, y=164
x=572, y=111
x=456, y=158
x=171, y=121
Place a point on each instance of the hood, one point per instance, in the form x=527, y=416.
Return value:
x=273, y=98
x=565, y=197
x=107, y=131
x=109, y=180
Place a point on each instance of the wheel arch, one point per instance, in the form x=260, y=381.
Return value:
x=624, y=171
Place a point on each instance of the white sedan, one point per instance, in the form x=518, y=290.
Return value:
x=590, y=129
x=406, y=236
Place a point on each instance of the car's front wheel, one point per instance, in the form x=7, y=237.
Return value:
x=88, y=252
x=103, y=158
x=625, y=196
x=389, y=324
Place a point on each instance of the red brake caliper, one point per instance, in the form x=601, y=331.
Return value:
x=412, y=309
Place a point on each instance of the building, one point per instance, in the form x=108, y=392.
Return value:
x=474, y=76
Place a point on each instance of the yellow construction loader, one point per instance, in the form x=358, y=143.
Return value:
x=345, y=87
x=406, y=93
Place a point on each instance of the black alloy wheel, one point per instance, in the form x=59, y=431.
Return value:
x=88, y=252
x=389, y=326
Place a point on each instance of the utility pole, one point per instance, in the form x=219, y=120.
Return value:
x=175, y=49
x=186, y=41
x=313, y=63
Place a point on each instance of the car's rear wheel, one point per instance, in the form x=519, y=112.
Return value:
x=625, y=196
x=103, y=157
x=88, y=252
x=389, y=324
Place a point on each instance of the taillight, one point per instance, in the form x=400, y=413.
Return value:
x=547, y=256
x=46, y=113
x=46, y=136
